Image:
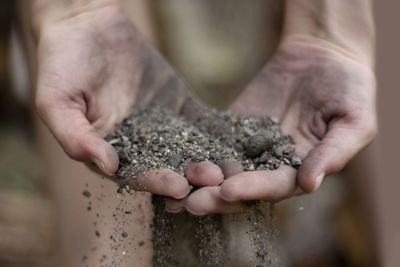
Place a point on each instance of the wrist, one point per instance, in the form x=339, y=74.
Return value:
x=46, y=13
x=345, y=26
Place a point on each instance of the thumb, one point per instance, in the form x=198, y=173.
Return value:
x=78, y=138
x=342, y=142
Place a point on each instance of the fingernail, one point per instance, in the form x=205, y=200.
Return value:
x=100, y=165
x=319, y=181
x=173, y=211
x=113, y=159
x=184, y=195
x=196, y=213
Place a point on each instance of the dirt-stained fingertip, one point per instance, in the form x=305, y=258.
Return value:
x=204, y=173
x=230, y=167
x=168, y=183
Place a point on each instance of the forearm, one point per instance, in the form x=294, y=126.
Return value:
x=346, y=24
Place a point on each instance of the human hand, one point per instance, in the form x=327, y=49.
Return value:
x=93, y=69
x=326, y=102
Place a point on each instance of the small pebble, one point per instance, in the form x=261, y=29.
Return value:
x=174, y=160
x=264, y=157
x=84, y=258
x=114, y=141
x=86, y=193
x=275, y=119
x=123, y=155
x=278, y=151
x=295, y=161
x=259, y=142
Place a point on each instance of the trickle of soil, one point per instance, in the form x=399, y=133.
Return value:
x=154, y=139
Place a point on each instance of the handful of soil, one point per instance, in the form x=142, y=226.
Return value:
x=153, y=139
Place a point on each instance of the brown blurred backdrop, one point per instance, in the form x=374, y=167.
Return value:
x=353, y=220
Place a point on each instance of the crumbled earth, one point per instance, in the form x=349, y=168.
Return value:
x=153, y=139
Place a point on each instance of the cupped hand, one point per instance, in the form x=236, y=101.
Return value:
x=325, y=100
x=93, y=69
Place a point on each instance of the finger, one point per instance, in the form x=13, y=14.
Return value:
x=164, y=182
x=342, y=142
x=75, y=134
x=204, y=173
x=93, y=167
x=230, y=168
x=260, y=185
x=208, y=200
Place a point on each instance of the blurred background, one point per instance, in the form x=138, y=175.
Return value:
x=217, y=46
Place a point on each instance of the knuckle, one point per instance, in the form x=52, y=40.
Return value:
x=83, y=143
x=72, y=152
x=74, y=146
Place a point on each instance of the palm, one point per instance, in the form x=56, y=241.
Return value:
x=93, y=70
x=311, y=90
